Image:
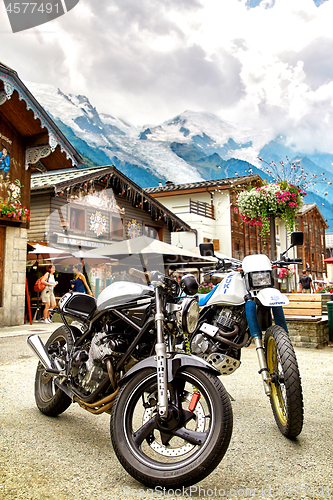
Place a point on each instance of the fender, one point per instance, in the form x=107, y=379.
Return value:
x=271, y=297
x=175, y=363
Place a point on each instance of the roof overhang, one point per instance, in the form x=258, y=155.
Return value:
x=307, y=208
x=61, y=183
x=202, y=187
x=46, y=146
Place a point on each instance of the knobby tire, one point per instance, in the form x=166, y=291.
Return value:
x=287, y=398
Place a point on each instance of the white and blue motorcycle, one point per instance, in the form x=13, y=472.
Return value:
x=237, y=312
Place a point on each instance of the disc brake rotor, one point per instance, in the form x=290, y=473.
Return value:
x=176, y=451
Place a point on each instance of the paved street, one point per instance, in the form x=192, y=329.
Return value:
x=71, y=456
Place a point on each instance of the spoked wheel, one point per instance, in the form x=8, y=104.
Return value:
x=186, y=447
x=286, y=399
x=49, y=398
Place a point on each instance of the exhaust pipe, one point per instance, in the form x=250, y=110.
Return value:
x=64, y=388
x=38, y=348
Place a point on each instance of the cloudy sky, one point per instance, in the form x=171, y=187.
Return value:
x=259, y=63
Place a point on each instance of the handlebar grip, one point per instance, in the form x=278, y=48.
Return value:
x=298, y=261
x=140, y=274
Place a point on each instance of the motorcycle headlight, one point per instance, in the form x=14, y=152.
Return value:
x=259, y=279
x=189, y=315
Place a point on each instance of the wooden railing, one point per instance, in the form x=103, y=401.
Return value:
x=202, y=208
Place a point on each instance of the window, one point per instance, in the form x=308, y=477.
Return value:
x=77, y=219
x=153, y=232
x=117, y=228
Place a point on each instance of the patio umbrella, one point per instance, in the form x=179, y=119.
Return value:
x=46, y=252
x=149, y=254
x=149, y=247
x=329, y=260
x=78, y=257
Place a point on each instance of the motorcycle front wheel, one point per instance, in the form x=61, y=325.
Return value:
x=186, y=447
x=49, y=398
x=286, y=399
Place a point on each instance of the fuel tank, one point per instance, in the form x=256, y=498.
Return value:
x=122, y=292
x=230, y=291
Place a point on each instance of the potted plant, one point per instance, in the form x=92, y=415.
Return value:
x=257, y=206
x=12, y=206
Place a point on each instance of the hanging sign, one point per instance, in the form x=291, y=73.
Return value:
x=98, y=223
x=134, y=229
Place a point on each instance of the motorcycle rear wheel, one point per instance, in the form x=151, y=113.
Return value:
x=51, y=400
x=286, y=399
x=192, y=444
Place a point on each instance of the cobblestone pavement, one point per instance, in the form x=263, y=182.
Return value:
x=71, y=456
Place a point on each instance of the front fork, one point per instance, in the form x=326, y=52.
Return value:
x=255, y=331
x=264, y=371
x=161, y=359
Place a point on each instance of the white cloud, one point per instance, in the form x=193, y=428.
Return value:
x=263, y=64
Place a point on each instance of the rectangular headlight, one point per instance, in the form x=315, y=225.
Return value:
x=261, y=278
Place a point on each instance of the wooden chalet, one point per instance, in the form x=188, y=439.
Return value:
x=29, y=142
x=310, y=221
x=65, y=206
x=209, y=208
x=79, y=210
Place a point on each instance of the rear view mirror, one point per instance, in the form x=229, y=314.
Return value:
x=296, y=238
x=206, y=249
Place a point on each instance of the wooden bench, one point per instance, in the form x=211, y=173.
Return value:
x=304, y=304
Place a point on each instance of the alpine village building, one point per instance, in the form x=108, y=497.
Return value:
x=82, y=209
x=30, y=142
x=209, y=208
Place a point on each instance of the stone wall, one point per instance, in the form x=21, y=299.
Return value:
x=308, y=332
x=14, y=276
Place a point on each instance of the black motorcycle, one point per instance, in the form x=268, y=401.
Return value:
x=171, y=418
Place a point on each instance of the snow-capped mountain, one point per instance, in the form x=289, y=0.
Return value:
x=150, y=148
x=190, y=147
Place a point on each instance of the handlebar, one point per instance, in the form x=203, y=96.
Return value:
x=287, y=260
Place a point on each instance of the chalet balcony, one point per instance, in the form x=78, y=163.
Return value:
x=202, y=208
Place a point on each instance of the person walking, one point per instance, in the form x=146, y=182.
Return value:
x=305, y=283
x=47, y=295
x=79, y=283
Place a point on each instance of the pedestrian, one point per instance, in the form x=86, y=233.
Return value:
x=305, y=283
x=79, y=283
x=86, y=272
x=47, y=295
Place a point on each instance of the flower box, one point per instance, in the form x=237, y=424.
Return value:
x=10, y=221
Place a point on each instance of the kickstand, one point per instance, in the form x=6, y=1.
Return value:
x=230, y=397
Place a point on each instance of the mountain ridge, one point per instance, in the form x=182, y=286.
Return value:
x=190, y=147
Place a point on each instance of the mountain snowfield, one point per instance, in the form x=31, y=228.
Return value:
x=149, y=146
x=190, y=147
x=113, y=136
x=190, y=126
